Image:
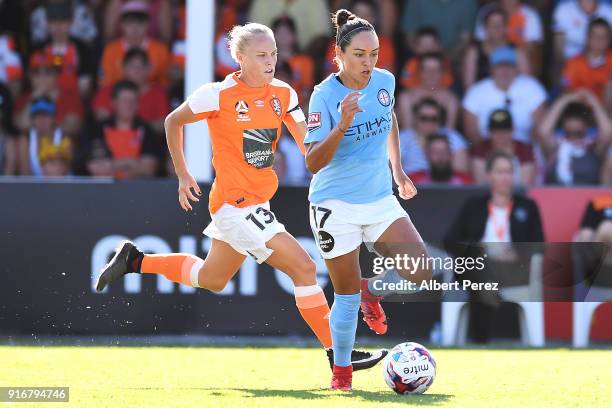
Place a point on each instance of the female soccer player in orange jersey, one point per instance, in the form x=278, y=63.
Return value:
x=245, y=113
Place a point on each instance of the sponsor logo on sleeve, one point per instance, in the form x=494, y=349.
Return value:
x=314, y=121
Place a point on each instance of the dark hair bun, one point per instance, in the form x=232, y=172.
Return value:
x=341, y=17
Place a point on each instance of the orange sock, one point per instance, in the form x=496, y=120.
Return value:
x=180, y=268
x=313, y=307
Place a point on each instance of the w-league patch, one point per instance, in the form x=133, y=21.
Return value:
x=314, y=121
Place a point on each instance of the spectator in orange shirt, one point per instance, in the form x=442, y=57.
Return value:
x=476, y=60
x=593, y=68
x=134, y=24
x=43, y=78
x=153, y=103
x=72, y=57
x=226, y=18
x=125, y=138
x=427, y=40
x=430, y=85
x=368, y=10
x=302, y=65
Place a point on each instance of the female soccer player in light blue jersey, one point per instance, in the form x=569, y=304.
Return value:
x=352, y=136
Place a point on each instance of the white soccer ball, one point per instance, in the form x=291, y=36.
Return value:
x=409, y=368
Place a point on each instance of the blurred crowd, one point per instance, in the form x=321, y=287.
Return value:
x=85, y=85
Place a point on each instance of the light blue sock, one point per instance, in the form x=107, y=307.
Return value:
x=343, y=325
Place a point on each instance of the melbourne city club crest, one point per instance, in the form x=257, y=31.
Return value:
x=384, y=98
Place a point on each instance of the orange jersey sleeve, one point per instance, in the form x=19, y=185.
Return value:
x=295, y=120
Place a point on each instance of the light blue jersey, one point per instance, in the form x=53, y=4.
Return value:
x=359, y=171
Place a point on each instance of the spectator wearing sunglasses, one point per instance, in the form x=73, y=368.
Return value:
x=428, y=120
x=430, y=85
x=575, y=151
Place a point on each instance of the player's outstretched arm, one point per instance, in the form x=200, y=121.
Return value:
x=173, y=124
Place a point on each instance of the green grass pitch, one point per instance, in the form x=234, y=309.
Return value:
x=296, y=377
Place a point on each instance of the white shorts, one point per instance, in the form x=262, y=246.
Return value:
x=340, y=227
x=245, y=229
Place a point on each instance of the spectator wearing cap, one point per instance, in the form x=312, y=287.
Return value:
x=134, y=23
x=43, y=76
x=574, y=152
x=428, y=117
x=49, y=150
x=440, y=159
x=72, y=57
x=592, y=69
x=430, y=85
x=160, y=18
x=128, y=141
x=522, y=26
x=10, y=144
x=11, y=71
x=153, y=103
x=523, y=96
x=500, y=139
x=83, y=25
x=426, y=40
x=453, y=20
x=370, y=11
x=301, y=65
x=475, y=64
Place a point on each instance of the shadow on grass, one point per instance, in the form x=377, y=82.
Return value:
x=321, y=394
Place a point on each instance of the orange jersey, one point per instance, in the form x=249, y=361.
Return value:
x=112, y=61
x=411, y=79
x=245, y=125
x=578, y=73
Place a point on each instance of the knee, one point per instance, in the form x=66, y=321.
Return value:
x=214, y=284
x=303, y=273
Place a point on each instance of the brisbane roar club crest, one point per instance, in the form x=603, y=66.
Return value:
x=276, y=105
x=384, y=98
x=242, y=108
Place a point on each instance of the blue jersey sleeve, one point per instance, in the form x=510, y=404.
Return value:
x=319, y=119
